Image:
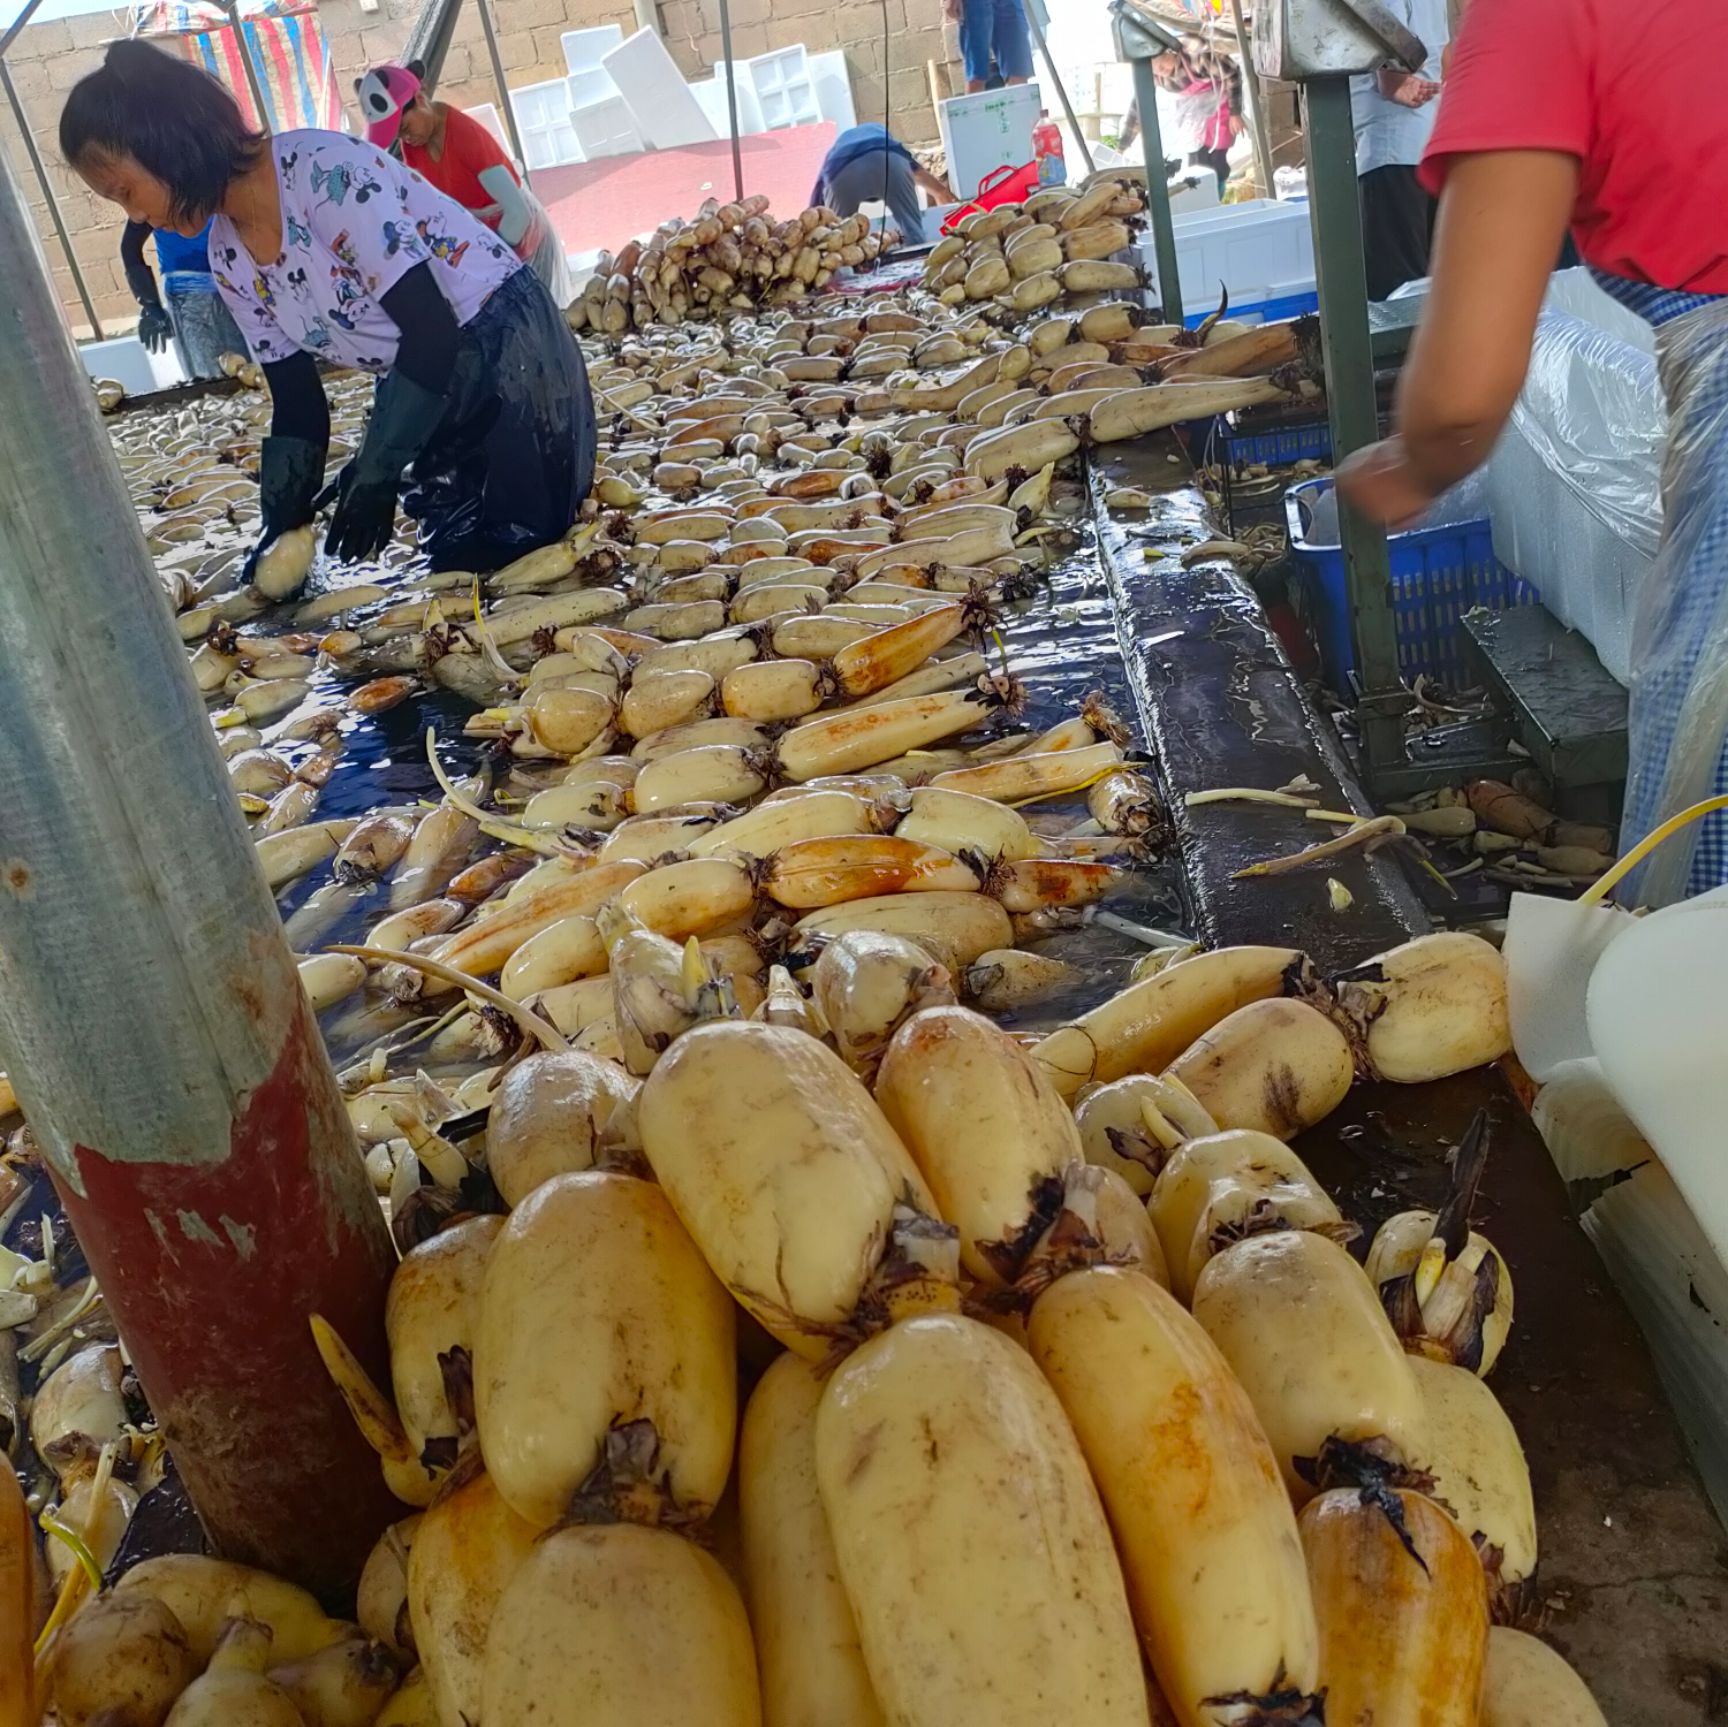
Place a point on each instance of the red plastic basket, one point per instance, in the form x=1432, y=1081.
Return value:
x=1005, y=185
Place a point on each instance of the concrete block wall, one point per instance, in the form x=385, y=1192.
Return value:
x=888, y=77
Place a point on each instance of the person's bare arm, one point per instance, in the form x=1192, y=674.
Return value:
x=1502, y=219
x=928, y=182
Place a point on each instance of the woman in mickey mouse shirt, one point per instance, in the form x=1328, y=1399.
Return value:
x=325, y=248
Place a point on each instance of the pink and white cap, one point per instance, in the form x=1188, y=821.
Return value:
x=384, y=92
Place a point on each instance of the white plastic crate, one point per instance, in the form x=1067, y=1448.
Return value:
x=594, y=85
x=833, y=81
x=605, y=128
x=711, y=94
x=666, y=113
x=489, y=117
x=131, y=365
x=584, y=50
x=785, y=89
x=543, y=118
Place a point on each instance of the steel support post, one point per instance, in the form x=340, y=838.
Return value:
x=1029, y=7
x=1336, y=212
x=151, y=1018
x=54, y=216
x=732, y=99
x=489, y=31
x=1158, y=191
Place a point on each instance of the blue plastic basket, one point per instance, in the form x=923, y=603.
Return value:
x=1438, y=574
x=1215, y=440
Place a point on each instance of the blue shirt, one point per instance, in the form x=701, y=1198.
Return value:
x=175, y=255
x=852, y=146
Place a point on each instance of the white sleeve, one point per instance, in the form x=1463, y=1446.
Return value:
x=515, y=217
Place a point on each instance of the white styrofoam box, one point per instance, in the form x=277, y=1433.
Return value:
x=584, y=49
x=785, y=91
x=711, y=93
x=593, y=85
x=833, y=81
x=666, y=113
x=1261, y=250
x=489, y=117
x=606, y=128
x=1202, y=194
x=988, y=131
x=131, y=365
x=543, y=118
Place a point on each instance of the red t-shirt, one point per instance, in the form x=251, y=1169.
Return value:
x=468, y=148
x=1605, y=81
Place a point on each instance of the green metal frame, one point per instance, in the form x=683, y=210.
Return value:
x=1158, y=192
x=1336, y=212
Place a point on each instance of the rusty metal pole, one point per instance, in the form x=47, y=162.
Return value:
x=151, y=1018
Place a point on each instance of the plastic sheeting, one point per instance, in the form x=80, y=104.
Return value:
x=1575, y=481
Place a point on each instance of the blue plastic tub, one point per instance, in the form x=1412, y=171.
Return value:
x=1438, y=574
x=1215, y=440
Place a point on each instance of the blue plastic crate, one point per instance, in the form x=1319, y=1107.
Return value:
x=1214, y=440
x=1438, y=574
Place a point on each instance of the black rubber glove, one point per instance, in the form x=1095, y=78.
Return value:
x=289, y=470
x=404, y=417
x=155, y=328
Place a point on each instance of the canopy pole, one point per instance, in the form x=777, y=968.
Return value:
x=152, y=1019
x=732, y=99
x=54, y=216
x=489, y=31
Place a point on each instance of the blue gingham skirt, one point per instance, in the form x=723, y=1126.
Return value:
x=1679, y=692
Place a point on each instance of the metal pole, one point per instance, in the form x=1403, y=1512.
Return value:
x=1336, y=213
x=732, y=99
x=151, y=1018
x=32, y=7
x=53, y=203
x=1158, y=191
x=491, y=36
x=1253, y=93
x=260, y=106
x=1031, y=11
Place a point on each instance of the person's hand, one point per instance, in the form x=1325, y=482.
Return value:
x=1380, y=482
x=951, y=10
x=365, y=518
x=1409, y=91
x=155, y=328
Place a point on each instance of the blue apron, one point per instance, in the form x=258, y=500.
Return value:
x=1679, y=691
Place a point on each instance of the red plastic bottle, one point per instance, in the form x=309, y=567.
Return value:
x=1047, y=152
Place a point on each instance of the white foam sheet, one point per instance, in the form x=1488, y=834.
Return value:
x=1658, y=1018
x=711, y=93
x=606, y=128
x=585, y=49
x=833, y=81
x=666, y=113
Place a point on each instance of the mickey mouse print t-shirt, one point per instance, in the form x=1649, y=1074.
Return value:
x=354, y=222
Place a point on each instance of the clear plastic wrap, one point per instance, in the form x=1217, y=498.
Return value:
x=1574, y=482
x=1679, y=711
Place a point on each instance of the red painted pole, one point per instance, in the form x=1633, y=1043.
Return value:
x=151, y=1018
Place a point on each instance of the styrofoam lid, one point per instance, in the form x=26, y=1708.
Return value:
x=1552, y=947
x=1658, y=1018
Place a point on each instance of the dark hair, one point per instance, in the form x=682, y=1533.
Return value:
x=175, y=121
